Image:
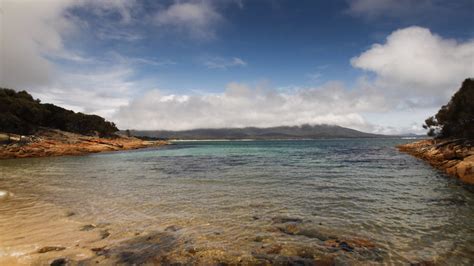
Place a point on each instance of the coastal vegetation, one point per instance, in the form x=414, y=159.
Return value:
x=455, y=119
x=452, y=148
x=20, y=113
x=54, y=131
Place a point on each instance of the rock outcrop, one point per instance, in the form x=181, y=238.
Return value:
x=454, y=156
x=52, y=142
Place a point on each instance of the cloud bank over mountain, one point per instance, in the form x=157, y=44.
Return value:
x=413, y=69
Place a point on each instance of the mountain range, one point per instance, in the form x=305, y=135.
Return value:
x=281, y=132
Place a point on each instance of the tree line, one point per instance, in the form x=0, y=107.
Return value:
x=21, y=114
x=455, y=119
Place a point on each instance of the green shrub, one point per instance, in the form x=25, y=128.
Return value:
x=456, y=119
x=20, y=113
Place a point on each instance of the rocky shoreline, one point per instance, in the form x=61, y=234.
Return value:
x=454, y=156
x=52, y=142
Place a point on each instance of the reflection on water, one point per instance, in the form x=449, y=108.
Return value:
x=204, y=202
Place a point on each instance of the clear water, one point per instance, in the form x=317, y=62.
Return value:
x=223, y=194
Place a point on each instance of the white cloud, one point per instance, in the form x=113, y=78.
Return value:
x=108, y=33
x=31, y=29
x=100, y=91
x=33, y=32
x=223, y=63
x=242, y=105
x=104, y=7
x=415, y=72
x=197, y=18
x=418, y=66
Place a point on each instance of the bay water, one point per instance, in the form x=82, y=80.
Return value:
x=227, y=196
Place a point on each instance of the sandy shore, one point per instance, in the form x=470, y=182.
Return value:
x=455, y=157
x=49, y=142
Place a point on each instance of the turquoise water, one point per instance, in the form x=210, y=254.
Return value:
x=223, y=194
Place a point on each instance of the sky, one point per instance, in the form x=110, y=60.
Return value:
x=380, y=66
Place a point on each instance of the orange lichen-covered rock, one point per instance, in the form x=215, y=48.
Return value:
x=50, y=142
x=455, y=157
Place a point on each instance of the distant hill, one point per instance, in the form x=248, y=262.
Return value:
x=283, y=132
x=21, y=114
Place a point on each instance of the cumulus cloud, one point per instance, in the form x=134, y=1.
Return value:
x=31, y=29
x=33, y=33
x=197, y=18
x=224, y=63
x=242, y=105
x=415, y=71
x=100, y=91
x=418, y=65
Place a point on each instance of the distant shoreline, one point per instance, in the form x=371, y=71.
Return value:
x=52, y=142
x=297, y=139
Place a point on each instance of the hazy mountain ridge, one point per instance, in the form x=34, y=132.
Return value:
x=282, y=132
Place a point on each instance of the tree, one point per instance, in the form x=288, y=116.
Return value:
x=20, y=113
x=456, y=119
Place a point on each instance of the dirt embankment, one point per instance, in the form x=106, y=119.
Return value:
x=455, y=156
x=50, y=142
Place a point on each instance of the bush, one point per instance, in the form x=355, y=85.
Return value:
x=20, y=113
x=456, y=119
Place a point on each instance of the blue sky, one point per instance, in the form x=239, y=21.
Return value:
x=375, y=65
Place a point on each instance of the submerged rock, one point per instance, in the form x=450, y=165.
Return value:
x=285, y=219
x=309, y=231
x=59, y=262
x=290, y=228
x=50, y=248
x=88, y=227
x=99, y=251
x=259, y=238
x=173, y=228
x=345, y=246
x=422, y=263
x=264, y=259
x=148, y=249
x=104, y=234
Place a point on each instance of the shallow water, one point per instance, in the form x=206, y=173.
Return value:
x=221, y=195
